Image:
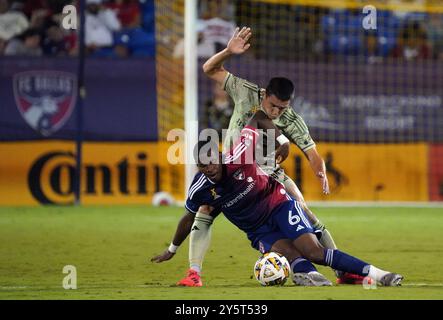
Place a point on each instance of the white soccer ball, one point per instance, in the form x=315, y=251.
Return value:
x=272, y=269
x=162, y=199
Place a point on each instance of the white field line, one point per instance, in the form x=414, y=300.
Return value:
x=379, y=204
x=422, y=285
x=86, y=287
x=79, y=287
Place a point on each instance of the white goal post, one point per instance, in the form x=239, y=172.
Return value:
x=191, y=87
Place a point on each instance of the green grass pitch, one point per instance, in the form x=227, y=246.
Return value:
x=111, y=247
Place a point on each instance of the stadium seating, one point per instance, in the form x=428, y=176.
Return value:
x=344, y=35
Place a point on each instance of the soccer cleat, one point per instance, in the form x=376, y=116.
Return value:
x=192, y=279
x=311, y=279
x=349, y=278
x=391, y=280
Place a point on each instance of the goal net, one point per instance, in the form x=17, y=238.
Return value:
x=368, y=84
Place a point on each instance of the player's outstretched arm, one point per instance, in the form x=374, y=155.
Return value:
x=238, y=44
x=318, y=166
x=181, y=233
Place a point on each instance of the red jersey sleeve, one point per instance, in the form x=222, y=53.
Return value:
x=243, y=152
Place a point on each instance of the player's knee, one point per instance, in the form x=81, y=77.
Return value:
x=205, y=210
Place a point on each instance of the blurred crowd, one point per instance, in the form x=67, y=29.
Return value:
x=309, y=33
x=113, y=28
x=122, y=28
x=322, y=33
x=293, y=32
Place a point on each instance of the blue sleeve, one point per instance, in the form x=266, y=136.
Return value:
x=194, y=200
x=199, y=195
x=192, y=206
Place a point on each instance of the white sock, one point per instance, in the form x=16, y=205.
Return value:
x=196, y=268
x=376, y=273
x=199, y=240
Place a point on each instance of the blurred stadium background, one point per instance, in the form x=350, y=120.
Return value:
x=371, y=98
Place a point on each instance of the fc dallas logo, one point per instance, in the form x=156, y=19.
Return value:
x=45, y=98
x=239, y=174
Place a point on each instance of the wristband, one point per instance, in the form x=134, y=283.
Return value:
x=172, y=248
x=281, y=139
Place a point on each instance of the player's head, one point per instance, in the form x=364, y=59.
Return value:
x=209, y=159
x=93, y=6
x=278, y=95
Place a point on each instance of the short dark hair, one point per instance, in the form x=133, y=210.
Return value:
x=282, y=88
x=204, y=156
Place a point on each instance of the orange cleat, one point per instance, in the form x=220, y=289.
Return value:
x=191, y=280
x=350, y=278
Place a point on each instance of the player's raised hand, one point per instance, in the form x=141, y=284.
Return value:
x=324, y=182
x=166, y=255
x=239, y=41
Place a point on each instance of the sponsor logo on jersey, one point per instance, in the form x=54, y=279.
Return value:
x=45, y=99
x=254, y=109
x=246, y=139
x=214, y=194
x=239, y=174
x=240, y=195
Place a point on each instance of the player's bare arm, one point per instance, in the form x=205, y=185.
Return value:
x=261, y=121
x=181, y=233
x=318, y=166
x=282, y=153
x=238, y=44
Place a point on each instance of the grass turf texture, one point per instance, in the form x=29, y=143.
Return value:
x=111, y=248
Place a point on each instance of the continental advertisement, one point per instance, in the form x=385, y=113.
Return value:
x=33, y=173
x=365, y=172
